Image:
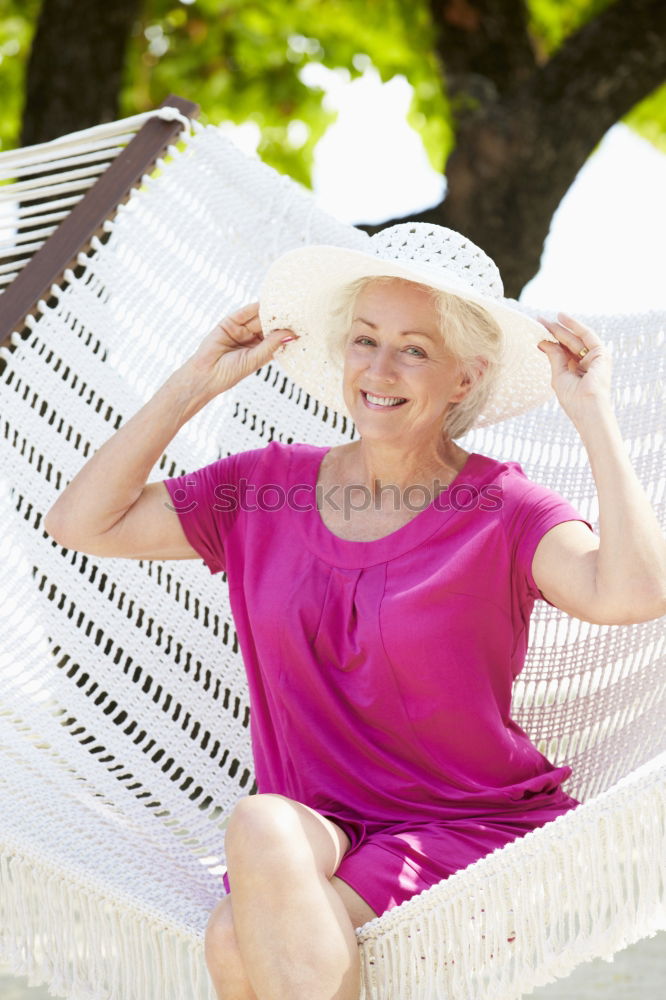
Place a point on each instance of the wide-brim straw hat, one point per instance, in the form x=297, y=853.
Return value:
x=301, y=289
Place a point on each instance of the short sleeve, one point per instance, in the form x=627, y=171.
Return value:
x=529, y=511
x=208, y=501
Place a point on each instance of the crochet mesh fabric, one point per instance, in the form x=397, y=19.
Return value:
x=420, y=243
x=123, y=706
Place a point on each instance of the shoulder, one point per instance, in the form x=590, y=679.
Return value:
x=506, y=476
x=527, y=509
x=279, y=461
x=291, y=451
x=517, y=488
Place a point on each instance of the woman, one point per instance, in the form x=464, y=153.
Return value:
x=381, y=589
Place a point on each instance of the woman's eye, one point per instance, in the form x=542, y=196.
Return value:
x=363, y=340
x=419, y=352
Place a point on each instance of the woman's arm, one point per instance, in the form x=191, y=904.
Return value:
x=108, y=509
x=620, y=577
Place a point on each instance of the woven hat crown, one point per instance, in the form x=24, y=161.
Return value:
x=438, y=247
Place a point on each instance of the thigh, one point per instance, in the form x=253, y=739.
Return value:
x=281, y=822
x=359, y=911
x=328, y=842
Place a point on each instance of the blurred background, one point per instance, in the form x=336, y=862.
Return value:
x=547, y=117
x=535, y=127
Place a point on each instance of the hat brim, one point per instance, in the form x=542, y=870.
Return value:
x=302, y=287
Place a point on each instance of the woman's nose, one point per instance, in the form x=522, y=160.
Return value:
x=381, y=365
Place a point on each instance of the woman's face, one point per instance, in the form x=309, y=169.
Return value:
x=399, y=377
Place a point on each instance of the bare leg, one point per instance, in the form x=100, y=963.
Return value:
x=223, y=959
x=289, y=931
x=225, y=965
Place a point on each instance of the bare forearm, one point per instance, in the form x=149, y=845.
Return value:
x=631, y=560
x=112, y=480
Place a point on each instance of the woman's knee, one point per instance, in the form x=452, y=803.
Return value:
x=262, y=827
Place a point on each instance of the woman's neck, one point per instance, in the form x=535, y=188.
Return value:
x=374, y=464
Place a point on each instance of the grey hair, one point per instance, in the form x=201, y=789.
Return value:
x=473, y=336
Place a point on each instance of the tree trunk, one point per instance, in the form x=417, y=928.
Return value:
x=75, y=67
x=519, y=148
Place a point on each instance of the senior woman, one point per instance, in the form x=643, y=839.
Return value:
x=381, y=589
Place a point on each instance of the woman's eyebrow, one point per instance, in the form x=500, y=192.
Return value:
x=403, y=333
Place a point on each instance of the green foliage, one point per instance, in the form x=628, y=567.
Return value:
x=649, y=118
x=243, y=61
x=551, y=21
x=17, y=25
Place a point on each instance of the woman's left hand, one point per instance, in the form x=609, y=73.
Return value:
x=579, y=383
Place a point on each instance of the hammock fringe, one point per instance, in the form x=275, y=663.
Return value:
x=515, y=923
x=57, y=929
x=498, y=916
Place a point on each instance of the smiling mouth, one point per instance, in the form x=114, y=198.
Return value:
x=387, y=402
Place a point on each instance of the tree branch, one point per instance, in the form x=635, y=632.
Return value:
x=603, y=70
x=484, y=47
x=513, y=164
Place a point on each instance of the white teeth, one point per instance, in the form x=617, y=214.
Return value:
x=384, y=400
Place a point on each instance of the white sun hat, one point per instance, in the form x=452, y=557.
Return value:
x=302, y=287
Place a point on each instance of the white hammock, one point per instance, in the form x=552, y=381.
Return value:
x=49, y=179
x=123, y=706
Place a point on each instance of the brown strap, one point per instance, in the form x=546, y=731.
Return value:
x=85, y=220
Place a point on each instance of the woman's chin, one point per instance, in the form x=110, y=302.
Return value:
x=372, y=430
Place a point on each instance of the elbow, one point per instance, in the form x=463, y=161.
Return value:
x=67, y=531
x=52, y=528
x=56, y=526
x=657, y=609
x=642, y=599
x=654, y=601
x=49, y=523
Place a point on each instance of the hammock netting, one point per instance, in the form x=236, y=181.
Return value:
x=123, y=706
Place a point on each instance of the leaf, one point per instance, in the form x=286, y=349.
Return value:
x=648, y=118
x=16, y=30
x=552, y=21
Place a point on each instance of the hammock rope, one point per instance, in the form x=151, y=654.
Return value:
x=67, y=166
x=123, y=706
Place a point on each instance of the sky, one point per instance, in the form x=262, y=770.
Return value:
x=606, y=250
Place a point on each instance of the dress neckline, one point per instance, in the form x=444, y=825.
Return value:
x=348, y=553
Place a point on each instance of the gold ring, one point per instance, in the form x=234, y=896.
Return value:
x=583, y=351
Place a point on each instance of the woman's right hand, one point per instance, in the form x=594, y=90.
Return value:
x=233, y=349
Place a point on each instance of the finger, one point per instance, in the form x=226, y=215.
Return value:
x=575, y=325
x=558, y=357
x=241, y=322
x=585, y=333
x=573, y=342
x=250, y=322
x=550, y=326
x=246, y=312
x=238, y=332
x=263, y=352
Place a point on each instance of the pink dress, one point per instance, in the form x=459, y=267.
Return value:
x=380, y=672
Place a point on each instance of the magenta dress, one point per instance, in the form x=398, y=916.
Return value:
x=380, y=672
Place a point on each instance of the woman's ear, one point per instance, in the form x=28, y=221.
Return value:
x=468, y=380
